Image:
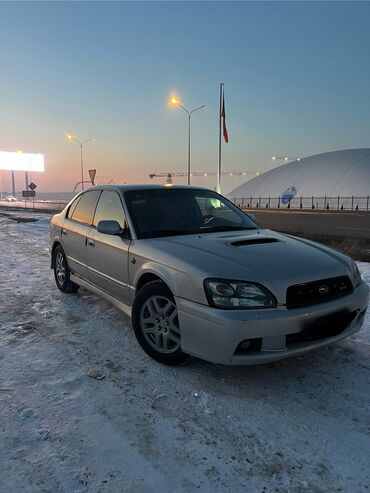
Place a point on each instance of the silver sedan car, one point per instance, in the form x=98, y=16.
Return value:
x=199, y=277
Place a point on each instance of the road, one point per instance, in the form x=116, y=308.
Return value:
x=350, y=224
x=346, y=231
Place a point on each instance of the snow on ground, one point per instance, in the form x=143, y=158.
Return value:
x=298, y=425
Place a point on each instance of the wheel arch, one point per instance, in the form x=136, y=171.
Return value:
x=155, y=273
x=148, y=277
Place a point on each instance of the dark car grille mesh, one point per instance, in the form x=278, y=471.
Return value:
x=320, y=291
x=322, y=328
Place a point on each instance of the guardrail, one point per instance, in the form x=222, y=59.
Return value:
x=352, y=203
x=40, y=205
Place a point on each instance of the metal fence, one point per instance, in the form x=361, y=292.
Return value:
x=321, y=203
x=324, y=203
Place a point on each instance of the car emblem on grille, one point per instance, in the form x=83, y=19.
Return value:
x=324, y=289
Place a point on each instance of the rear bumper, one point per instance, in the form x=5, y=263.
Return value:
x=214, y=335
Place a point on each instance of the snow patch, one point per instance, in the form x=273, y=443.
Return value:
x=298, y=425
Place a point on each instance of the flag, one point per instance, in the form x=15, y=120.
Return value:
x=223, y=116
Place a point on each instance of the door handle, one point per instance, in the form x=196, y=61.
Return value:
x=64, y=232
x=90, y=242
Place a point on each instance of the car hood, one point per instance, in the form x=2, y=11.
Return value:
x=273, y=259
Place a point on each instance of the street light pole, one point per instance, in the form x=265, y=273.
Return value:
x=175, y=102
x=189, y=120
x=189, y=133
x=81, y=143
x=82, y=167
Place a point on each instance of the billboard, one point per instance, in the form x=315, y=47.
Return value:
x=21, y=161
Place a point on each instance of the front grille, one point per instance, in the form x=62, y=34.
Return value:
x=322, y=328
x=310, y=293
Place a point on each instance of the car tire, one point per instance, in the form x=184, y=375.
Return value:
x=155, y=323
x=62, y=272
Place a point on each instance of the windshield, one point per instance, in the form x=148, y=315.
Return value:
x=169, y=212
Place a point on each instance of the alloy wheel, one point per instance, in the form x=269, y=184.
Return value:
x=60, y=268
x=160, y=325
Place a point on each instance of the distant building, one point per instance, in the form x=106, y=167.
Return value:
x=334, y=174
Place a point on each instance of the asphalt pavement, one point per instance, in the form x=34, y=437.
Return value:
x=348, y=231
x=349, y=224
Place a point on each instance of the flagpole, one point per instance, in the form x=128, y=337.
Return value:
x=218, y=188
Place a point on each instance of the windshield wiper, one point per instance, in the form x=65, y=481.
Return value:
x=211, y=229
x=169, y=232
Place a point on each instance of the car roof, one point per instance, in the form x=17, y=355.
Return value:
x=145, y=186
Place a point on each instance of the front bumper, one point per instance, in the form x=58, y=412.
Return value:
x=214, y=335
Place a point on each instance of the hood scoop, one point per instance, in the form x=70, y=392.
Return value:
x=254, y=241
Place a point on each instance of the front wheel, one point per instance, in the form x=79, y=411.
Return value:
x=156, y=324
x=62, y=272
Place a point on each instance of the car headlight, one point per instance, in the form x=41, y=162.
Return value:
x=226, y=294
x=355, y=275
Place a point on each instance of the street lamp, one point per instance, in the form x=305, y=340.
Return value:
x=176, y=102
x=71, y=137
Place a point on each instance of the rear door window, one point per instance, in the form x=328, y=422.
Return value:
x=72, y=207
x=85, y=209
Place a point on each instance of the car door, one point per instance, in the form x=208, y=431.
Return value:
x=107, y=255
x=76, y=229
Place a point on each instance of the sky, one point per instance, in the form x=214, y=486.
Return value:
x=296, y=78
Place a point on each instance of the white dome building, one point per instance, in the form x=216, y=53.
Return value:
x=330, y=178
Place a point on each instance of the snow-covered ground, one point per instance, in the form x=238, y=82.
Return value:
x=298, y=425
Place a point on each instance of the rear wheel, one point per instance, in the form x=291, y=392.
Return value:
x=156, y=323
x=62, y=272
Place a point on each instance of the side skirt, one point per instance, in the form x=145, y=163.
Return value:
x=85, y=284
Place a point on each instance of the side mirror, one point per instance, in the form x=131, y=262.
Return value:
x=110, y=228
